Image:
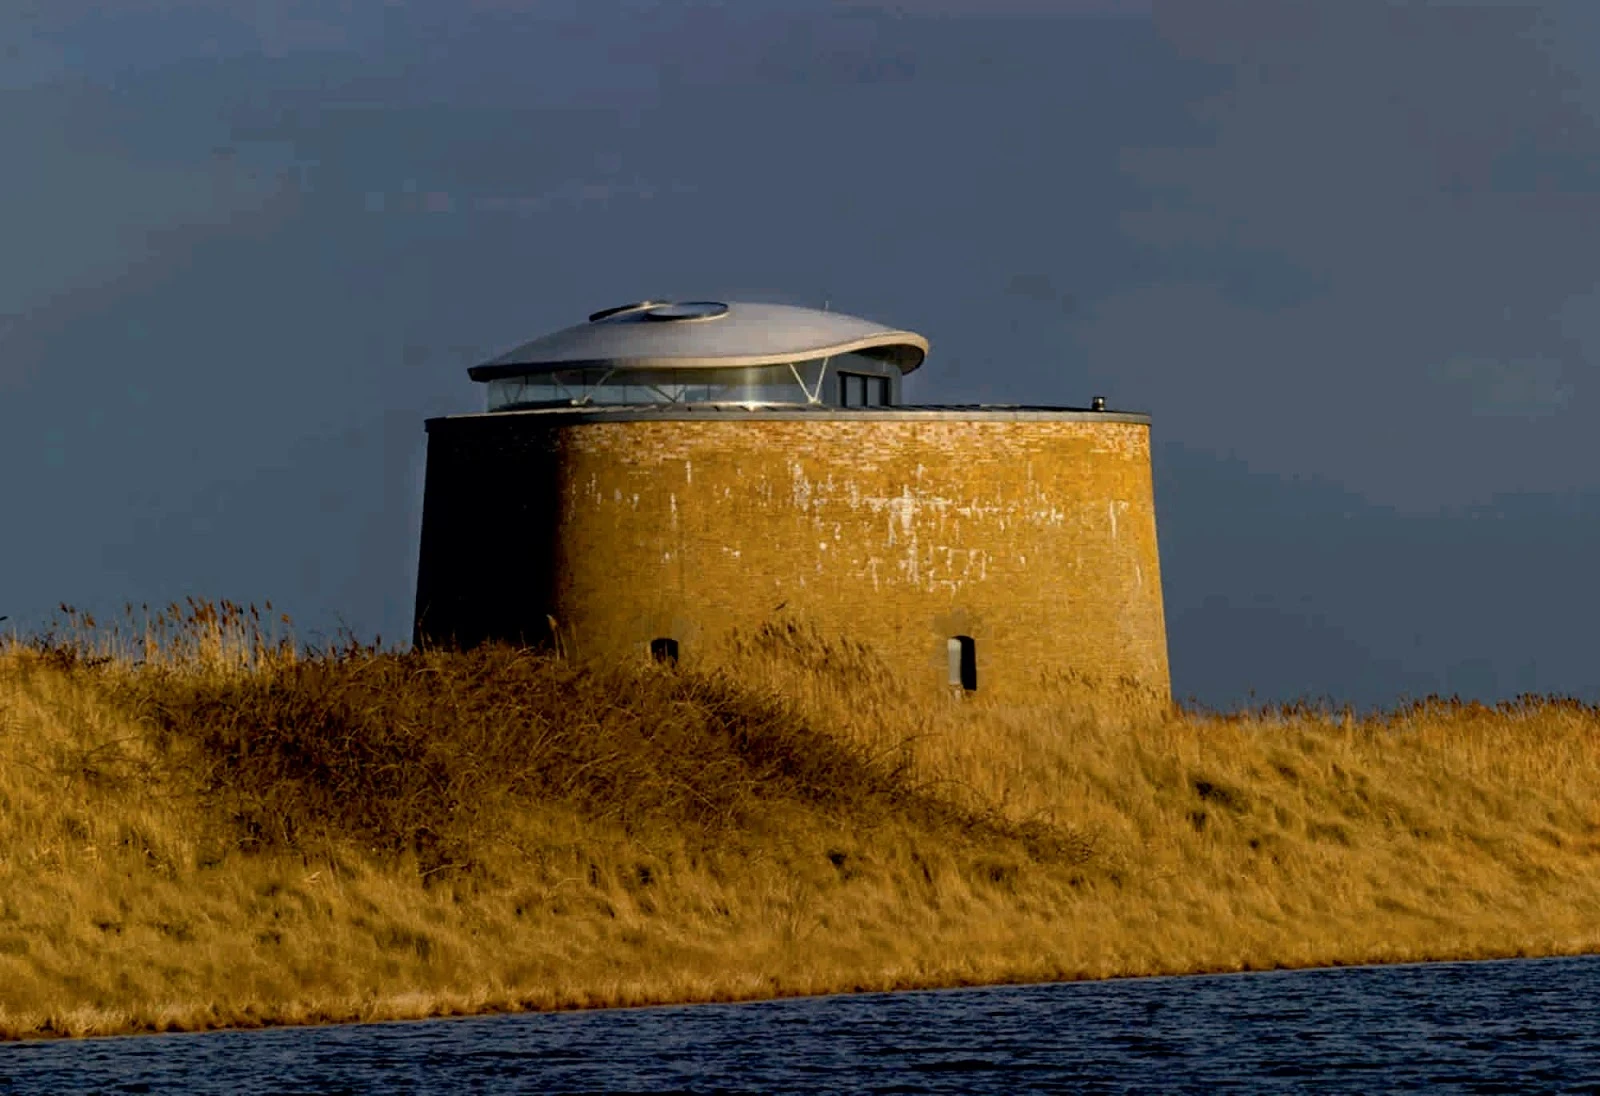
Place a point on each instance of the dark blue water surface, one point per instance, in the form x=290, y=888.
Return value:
x=1521, y=1026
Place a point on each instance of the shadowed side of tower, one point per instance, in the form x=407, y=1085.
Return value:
x=488, y=562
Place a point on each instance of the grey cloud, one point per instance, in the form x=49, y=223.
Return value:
x=1039, y=289
x=1531, y=387
x=1425, y=169
x=1299, y=587
x=84, y=210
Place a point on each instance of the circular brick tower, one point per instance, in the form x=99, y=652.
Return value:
x=654, y=481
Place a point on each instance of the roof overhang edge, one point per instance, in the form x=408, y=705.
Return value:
x=493, y=370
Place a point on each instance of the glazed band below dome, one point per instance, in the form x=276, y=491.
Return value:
x=846, y=380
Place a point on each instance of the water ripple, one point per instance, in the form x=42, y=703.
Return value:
x=1519, y=1026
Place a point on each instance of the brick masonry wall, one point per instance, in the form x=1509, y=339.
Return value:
x=1037, y=538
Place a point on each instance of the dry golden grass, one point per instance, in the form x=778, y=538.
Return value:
x=199, y=828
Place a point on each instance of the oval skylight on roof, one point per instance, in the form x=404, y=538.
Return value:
x=596, y=317
x=687, y=310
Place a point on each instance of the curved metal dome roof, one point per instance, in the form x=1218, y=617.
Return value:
x=705, y=334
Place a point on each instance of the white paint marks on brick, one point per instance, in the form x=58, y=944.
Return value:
x=904, y=509
x=911, y=566
x=800, y=488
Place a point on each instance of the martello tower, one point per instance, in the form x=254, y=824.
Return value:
x=649, y=482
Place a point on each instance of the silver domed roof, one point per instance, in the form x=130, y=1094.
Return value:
x=705, y=334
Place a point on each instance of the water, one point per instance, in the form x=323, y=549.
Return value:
x=1521, y=1026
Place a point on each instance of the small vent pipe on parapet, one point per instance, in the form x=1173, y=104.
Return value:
x=1098, y=403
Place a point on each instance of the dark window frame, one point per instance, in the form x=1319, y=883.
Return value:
x=871, y=389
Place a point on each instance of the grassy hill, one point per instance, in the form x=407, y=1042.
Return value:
x=201, y=828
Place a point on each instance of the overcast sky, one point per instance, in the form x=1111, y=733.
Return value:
x=1343, y=251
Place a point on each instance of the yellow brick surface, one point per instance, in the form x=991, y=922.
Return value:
x=1036, y=538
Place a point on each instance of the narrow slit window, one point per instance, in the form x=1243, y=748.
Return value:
x=963, y=652
x=664, y=650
